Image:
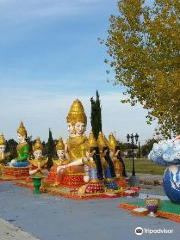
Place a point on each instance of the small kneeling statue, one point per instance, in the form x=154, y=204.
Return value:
x=38, y=165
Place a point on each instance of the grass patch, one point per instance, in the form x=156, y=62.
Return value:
x=144, y=166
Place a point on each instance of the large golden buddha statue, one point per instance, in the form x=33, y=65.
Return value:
x=77, y=144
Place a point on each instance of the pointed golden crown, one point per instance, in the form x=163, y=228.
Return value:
x=38, y=145
x=92, y=140
x=76, y=113
x=2, y=139
x=101, y=141
x=107, y=142
x=21, y=130
x=60, y=145
x=112, y=142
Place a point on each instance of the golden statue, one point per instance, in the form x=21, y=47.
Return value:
x=93, y=161
x=77, y=143
x=119, y=166
x=38, y=165
x=107, y=163
x=114, y=155
x=53, y=179
x=3, y=155
x=60, y=149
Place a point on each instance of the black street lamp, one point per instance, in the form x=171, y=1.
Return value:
x=133, y=181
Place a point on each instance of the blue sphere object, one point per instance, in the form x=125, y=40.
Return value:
x=171, y=183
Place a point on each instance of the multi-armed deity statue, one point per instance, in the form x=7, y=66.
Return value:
x=75, y=148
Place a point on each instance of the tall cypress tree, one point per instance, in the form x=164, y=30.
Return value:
x=96, y=117
x=50, y=149
x=30, y=143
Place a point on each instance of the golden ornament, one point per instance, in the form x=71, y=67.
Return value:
x=92, y=140
x=38, y=145
x=112, y=143
x=76, y=113
x=21, y=130
x=60, y=145
x=102, y=143
x=2, y=139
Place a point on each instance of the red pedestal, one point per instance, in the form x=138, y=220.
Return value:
x=15, y=173
x=72, y=180
x=121, y=182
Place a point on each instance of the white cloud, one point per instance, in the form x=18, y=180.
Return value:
x=21, y=10
x=43, y=109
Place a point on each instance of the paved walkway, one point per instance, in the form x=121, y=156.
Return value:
x=10, y=232
x=53, y=218
x=149, y=177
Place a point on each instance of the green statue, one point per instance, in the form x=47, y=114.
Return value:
x=22, y=149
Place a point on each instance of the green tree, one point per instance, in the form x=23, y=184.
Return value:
x=50, y=149
x=96, y=117
x=147, y=147
x=143, y=46
x=11, y=145
x=126, y=146
x=30, y=143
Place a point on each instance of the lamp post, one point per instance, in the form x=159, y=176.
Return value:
x=133, y=181
x=139, y=150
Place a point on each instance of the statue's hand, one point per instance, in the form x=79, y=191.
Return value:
x=87, y=154
x=92, y=153
x=66, y=147
x=60, y=168
x=13, y=161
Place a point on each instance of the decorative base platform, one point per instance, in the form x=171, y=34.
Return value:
x=167, y=209
x=14, y=173
x=72, y=192
x=70, y=180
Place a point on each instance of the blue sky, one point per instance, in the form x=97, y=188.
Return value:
x=49, y=56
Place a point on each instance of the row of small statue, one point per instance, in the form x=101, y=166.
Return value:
x=80, y=160
x=97, y=165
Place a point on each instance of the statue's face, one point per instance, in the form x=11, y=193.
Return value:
x=71, y=129
x=2, y=148
x=80, y=128
x=37, y=154
x=21, y=138
x=61, y=153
